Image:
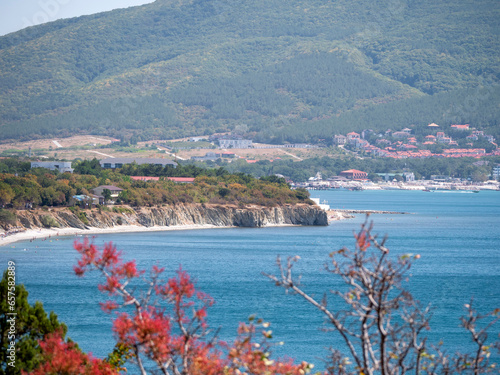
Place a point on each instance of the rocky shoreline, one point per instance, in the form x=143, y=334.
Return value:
x=32, y=224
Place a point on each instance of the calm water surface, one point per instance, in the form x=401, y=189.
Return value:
x=457, y=235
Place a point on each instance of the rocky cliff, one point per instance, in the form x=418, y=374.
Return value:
x=178, y=215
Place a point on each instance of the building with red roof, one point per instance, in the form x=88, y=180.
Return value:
x=144, y=178
x=354, y=174
x=460, y=127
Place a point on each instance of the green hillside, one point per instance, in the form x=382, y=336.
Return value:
x=290, y=70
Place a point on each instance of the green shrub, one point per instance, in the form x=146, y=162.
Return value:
x=121, y=210
x=7, y=217
x=49, y=222
x=83, y=218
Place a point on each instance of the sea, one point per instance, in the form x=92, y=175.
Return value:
x=456, y=234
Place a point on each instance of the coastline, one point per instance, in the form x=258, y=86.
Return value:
x=41, y=234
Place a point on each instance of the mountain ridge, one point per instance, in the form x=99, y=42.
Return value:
x=177, y=68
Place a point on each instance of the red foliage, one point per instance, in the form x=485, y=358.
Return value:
x=62, y=358
x=168, y=324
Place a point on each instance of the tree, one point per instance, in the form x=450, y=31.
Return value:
x=106, y=193
x=60, y=358
x=168, y=324
x=382, y=325
x=32, y=324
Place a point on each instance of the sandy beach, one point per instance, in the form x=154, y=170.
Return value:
x=40, y=234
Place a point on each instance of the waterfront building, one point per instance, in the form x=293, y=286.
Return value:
x=496, y=172
x=354, y=174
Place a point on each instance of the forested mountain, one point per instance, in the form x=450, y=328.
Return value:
x=290, y=70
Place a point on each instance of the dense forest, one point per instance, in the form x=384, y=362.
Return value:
x=289, y=70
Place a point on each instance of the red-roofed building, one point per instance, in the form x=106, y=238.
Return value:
x=354, y=174
x=352, y=135
x=461, y=127
x=251, y=161
x=144, y=178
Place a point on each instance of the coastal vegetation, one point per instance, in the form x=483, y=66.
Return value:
x=40, y=187
x=32, y=325
x=291, y=71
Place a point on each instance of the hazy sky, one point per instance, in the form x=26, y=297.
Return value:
x=18, y=14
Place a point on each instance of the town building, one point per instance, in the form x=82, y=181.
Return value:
x=352, y=136
x=61, y=166
x=400, y=135
x=235, y=143
x=354, y=174
x=496, y=172
x=460, y=127
x=339, y=140
x=120, y=162
x=209, y=156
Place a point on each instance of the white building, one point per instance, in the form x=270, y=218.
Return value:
x=120, y=162
x=61, y=166
x=496, y=172
x=235, y=143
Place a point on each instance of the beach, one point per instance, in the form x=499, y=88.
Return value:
x=54, y=233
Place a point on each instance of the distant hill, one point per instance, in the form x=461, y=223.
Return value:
x=289, y=70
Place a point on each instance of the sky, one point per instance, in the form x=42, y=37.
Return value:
x=18, y=14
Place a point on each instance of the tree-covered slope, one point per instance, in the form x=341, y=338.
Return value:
x=291, y=70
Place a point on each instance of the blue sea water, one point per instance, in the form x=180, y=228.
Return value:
x=456, y=234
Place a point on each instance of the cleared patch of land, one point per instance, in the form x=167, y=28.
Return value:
x=89, y=147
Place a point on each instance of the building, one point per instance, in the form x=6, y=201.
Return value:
x=115, y=191
x=209, y=156
x=144, y=178
x=352, y=136
x=339, y=140
x=86, y=200
x=182, y=180
x=400, y=135
x=198, y=139
x=354, y=174
x=61, y=166
x=323, y=206
x=235, y=143
x=460, y=127
x=409, y=176
x=120, y=162
x=496, y=172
